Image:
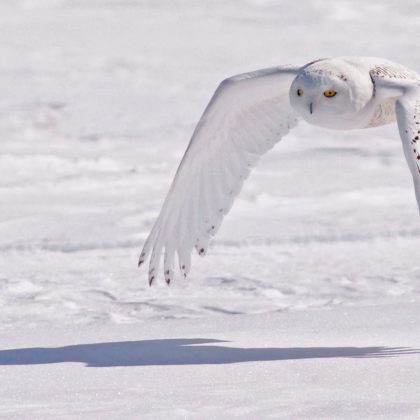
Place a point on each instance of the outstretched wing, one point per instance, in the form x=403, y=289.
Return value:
x=408, y=117
x=246, y=116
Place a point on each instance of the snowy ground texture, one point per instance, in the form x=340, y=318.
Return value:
x=313, y=283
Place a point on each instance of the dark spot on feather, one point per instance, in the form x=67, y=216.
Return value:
x=183, y=267
x=167, y=272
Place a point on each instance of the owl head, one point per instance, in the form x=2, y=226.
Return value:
x=331, y=93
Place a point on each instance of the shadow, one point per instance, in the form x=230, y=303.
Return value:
x=181, y=352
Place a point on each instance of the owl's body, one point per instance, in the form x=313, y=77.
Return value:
x=249, y=114
x=383, y=109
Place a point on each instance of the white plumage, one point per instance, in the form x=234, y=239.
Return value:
x=250, y=113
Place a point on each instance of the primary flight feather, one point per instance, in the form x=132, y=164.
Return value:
x=248, y=114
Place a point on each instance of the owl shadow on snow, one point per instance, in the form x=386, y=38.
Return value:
x=182, y=351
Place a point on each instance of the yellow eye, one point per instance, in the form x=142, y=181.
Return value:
x=299, y=92
x=330, y=93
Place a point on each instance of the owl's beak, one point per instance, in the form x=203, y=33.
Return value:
x=310, y=108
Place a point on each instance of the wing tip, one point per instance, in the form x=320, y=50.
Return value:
x=168, y=276
x=184, y=271
x=202, y=252
x=141, y=259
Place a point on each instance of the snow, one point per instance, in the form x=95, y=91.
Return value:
x=317, y=258
x=357, y=363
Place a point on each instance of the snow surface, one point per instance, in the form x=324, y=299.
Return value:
x=355, y=363
x=98, y=99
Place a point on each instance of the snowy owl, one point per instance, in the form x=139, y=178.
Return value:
x=248, y=114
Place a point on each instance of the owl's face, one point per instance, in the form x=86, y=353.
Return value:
x=328, y=96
